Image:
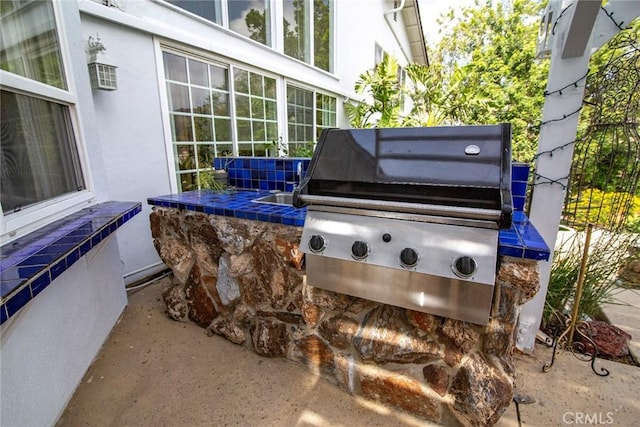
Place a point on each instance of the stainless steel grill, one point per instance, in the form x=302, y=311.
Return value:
x=409, y=216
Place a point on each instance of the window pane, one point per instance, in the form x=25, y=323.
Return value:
x=182, y=128
x=218, y=77
x=185, y=157
x=198, y=73
x=245, y=149
x=39, y=160
x=296, y=29
x=241, y=81
x=220, y=104
x=257, y=88
x=244, y=130
x=203, y=127
x=258, y=131
x=188, y=181
x=175, y=67
x=29, y=43
x=251, y=18
x=243, y=108
x=270, y=110
x=323, y=33
x=223, y=129
x=206, y=153
x=257, y=108
x=209, y=9
x=178, y=98
x=269, y=87
x=201, y=101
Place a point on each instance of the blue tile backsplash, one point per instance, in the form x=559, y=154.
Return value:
x=258, y=176
x=263, y=173
x=29, y=264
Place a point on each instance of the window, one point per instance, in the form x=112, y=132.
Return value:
x=298, y=43
x=301, y=105
x=217, y=109
x=296, y=29
x=208, y=9
x=198, y=99
x=325, y=113
x=39, y=160
x=251, y=18
x=307, y=24
x=323, y=34
x=256, y=112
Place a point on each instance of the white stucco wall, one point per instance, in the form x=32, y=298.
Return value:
x=49, y=344
x=129, y=122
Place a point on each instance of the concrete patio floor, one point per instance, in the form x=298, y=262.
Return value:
x=153, y=371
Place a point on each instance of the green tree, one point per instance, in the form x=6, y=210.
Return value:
x=489, y=69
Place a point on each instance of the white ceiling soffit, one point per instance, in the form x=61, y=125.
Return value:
x=411, y=17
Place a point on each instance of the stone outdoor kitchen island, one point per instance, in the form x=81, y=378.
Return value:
x=244, y=279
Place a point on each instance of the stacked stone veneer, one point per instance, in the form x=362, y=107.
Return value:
x=236, y=278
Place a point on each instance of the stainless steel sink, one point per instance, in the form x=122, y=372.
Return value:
x=276, y=199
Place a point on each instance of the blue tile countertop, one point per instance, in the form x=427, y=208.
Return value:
x=31, y=263
x=522, y=240
x=236, y=204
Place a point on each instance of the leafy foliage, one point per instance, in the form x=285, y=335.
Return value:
x=599, y=284
x=489, y=67
x=483, y=71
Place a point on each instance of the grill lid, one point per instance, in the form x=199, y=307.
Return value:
x=451, y=169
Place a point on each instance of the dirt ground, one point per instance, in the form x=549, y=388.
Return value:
x=153, y=371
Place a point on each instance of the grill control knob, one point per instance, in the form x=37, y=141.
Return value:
x=317, y=243
x=408, y=257
x=464, y=266
x=359, y=249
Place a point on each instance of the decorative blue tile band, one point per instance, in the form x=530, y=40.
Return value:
x=522, y=240
x=237, y=204
x=31, y=263
x=263, y=173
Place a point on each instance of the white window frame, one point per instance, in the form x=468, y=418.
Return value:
x=17, y=224
x=315, y=92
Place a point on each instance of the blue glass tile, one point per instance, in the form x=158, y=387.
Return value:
x=8, y=286
x=72, y=257
x=263, y=217
x=518, y=203
x=251, y=215
x=95, y=240
x=104, y=233
x=3, y=314
x=17, y=272
x=18, y=301
x=518, y=188
x=519, y=171
x=39, y=283
x=85, y=247
x=254, y=164
x=536, y=254
x=517, y=252
x=270, y=164
x=57, y=269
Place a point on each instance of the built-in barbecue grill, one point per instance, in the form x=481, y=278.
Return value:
x=409, y=216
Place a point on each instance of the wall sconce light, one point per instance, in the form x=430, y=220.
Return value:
x=102, y=72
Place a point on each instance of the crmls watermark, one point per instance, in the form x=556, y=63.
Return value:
x=588, y=418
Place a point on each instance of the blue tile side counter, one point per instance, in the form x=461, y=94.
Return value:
x=31, y=263
x=522, y=240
